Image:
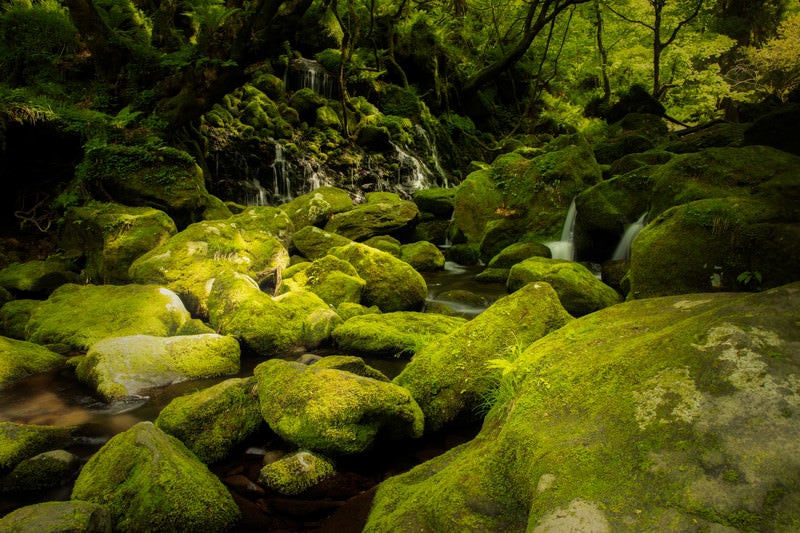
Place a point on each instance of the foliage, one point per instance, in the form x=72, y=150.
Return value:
x=776, y=65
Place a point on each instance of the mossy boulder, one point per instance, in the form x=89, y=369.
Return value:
x=631, y=162
x=433, y=230
x=347, y=310
x=23, y=441
x=43, y=471
x=385, y=243
x=14, y=316
x=578, y=289
x=150, y=481
x=213, y=421
x=374, y=218
x=450, y=377
x=333, y=411
x=423, y=256
x=732, y=243
x=438, y=201
x=714, y=136
x=777, y=129
x=293, y=474
x=464, y=254
x=58, y=517
x=112, y=236
x=334, y=280
x=392, y=284
x=19, y=359
x=37, y=278
x=352, y=364
x=673, y=413
x=392, y=334
x=294, y=321
x=123, y=367
x=306, y=102
x=609, y=151
x=316, y=207
x=253, y=243
x=313, y=243
x=80, y=315
x=518, y=252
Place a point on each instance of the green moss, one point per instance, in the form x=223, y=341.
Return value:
x=334, y=280
x=423, y=256
x=22, y=441
x=373, y=218
x=45, y=470
x=316, y=207
x=19, y=359
x=59, y=516
x=295, y=473
x=37, y=277
x=314, y=243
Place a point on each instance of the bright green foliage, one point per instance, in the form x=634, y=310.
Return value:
x=777, y=63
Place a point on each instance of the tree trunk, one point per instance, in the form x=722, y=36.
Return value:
x=603, y=53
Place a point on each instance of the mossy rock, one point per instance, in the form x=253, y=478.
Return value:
x=392, y=284
x=608, y=152
x=669, y=413
x=306, y=102
x=631, y=162
x=350, y=363
x=58, y=517
x=314, y=243
x=293, y=321
x=23, y=441
x=112, y=236
x=493, y=275
x=14, y=316
x=392, y=334
x=715, y=135
x=327, y=118
x=334, y=280
x=423, y=256
x=19, y=359
x=252, y=243
x=776, y=129
x=213, y=421
x=374, y=218
x=374, y=138
x=450, y=377
x=578, y=289
x=438, y=201
x=37, y=278
x=295, y=473
x=43, y=471
x=333, y=411
x=347, y=310
x=150, y=481
x=385, y=243
x=710, y=244
x=434, y=231
x=518, y=252
x=317, y=206
x=464, y=254
x=124, y=367
x=80, y=315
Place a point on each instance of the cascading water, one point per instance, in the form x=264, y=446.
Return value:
x=434, y=153
x=255, y=193
x=623, y=250
x=565, y=248
x=281, y=179
x=412, y=174
x=310, y=74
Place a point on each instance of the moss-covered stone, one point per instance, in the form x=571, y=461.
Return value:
x=19, y=359
x=14, y=316
x=464, y=254
x=293, y=474
x=213, y=421
x=112, y=236
x=350, y=363
x=80, y=315
x=252, y=243
x=438, y=201
x=122, y=367
x=374, y=218
x=43, y=471
x=306, y=102
x=434, y=231
x=334, y=280
x=385, y=243
x=392, y=284
x=670, y=413
x=776, y=129
x=150, y=481
x=295, y=320
x=493, y=275
x=714, y=136
x=58, y=517
x=314, y=243
x=631, y=162
x=578, y=289
x=316, y=207
x=423, y=256
x=23, y=441
x=37, y=278
x=392, y=334
x=630, y=143
x=333, y=411
x=347, y=310
x=450, y=377
x=518, y=252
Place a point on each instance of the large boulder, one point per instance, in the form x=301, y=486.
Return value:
x=46, y=470
x=294, y=321
x=19, y=359
x=150, y=481
x=392, y=284
x=317, y=207
x=58, y=517
x=450, y=377
x=333, y=411
x=37, y=278
x=253, y=243
x=675, y=413
x=112, y=236
x=213, y=421
x=438, y=201
x=578, y=289
x=313, y=243
x=334, y=280
x=423, y=256
x=383, y=216
x=80, y=315
x=14, y=317
x=393, y=334
x=123, y=367
x=23, y=441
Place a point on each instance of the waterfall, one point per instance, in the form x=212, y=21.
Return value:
x=313, y=178
x=565, y=248
x=623, y=250
x=310, y=74
x=255, y=193
x=434, y=153
x=415, y=171
x=281, y=180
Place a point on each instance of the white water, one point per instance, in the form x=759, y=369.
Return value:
x=281, y=180
x=623, y=250
x=312, y=75
x=565, y=247
x=434, y=153
x=412, y=174
x=256, y=194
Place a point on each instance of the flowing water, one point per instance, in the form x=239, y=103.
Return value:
x=623, y=250
x=565, y=247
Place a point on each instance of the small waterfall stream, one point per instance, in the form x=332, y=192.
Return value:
x=623, y=250
x=434, y=153
x=282, y=183
x=565, y=247
x=412, y=173
x=309, y=74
